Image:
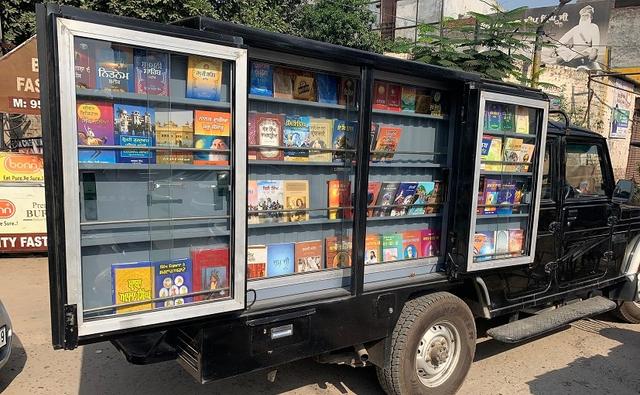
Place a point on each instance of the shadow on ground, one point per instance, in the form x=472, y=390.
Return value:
x=15, y=365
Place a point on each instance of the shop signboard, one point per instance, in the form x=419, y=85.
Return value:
x=20, y=83
x=23, y=223
x=21, y=168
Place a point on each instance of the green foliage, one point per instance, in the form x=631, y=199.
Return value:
x=273, y=15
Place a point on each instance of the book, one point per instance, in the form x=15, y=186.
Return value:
x=484, y=150
x=491, y=187
x=434, y=198
x=212, y=131
x=348, y=92
x=114, y=68
x=308, y=255
x=283, y=83
x=132, y=282
x=408, y=98
x=372, y=249
x=502, y=242
x=373, y=191
x=423, y=102
x=522, y=120
x=373, y=136
x=511, y=153
x=296, y=197
x=492, y=117
x=84, y=63
x=387, y=141
x=339, y=195
x=404, y=198
x=252, y=202
x=338, y=252
x=506, y=197
x=494, y=155
x=430, y=242
x=296, y=135
x=280, y=259
x=252, y=137
x=436, y=107
x=134, y=127
x=526, y=155
x=483, y=245
x=204, y=78
x=420, y=198
x=391, y=247
x=327, y=86
x=411, y=240
x=320, y=133
x=151, y=72
x=304, y=86
x=256, y=261
x=211, y=272
x=95, y=128
x=261, y=83
x=519, y=196
x=344, y=134
x=507, y=118
x=269, y=133
x=379, y=95
x=174, y=129
x=270, y=198
x=172, y=280
x=480, y=208
x=385, y=199
x=516, y=241
x=394, y=97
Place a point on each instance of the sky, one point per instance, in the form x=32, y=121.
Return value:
x=511, y=4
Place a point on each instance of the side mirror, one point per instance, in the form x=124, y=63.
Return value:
x=624, y=191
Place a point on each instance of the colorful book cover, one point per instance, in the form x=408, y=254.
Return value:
x=151, y=72
x=387, y=141
x=256, y=261
x=409, y=98
x=411, y=243
x=516, y=241
x=385, y=199
x=502, y=242
x=483, y=245
x=327, y=88
x=283, y=83
x=519, y=196
x=435, y=198
x=252, y=137
x=522, y=120
x=420, y=198
x=373, y=191
x=320, y=133
x=95, y=128
x=132, y=282
x=173, y=280
x=304, y=86
x=212, y=131
x=506, y=198
x=204, y=78
x=394, y=97
x=296, y=135
x=339, y=195
x=507, y=118
x=348, y=91
x=526, y=155
x=372, y=249
x=261, y=79
x=404, y=198
x=252, y=202
x=480, y=208
x=308, y=256
x=84, y=63
x=134, y=127
x=344, y=134
x=511, y=153
x=280, y=259
x=296, y=197
x=484, y=150
x=494, y=156
x=270, y=198
x=430, y=242
x=391, y=247
x=174, y=129
x=114, y=68
x=491, y=187
x=492, y=117
x=269, y=132
x=380, y=95
x=338, y=251
x=211, y=272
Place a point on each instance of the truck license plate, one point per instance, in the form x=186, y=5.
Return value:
x=3, y=336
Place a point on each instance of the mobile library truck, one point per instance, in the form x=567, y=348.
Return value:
x=235, y=199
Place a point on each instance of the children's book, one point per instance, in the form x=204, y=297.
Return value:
x=173, y=280
x=320, y=133
x=252, y=202
x=430, y=242
x=419, y=203
x=84, y=63
x=270, y=199
x=296, y=135
x=507, y=118
x=387, y=141
x=411, y=244
x=408, y=98
x=494, y=155
x=483, y=245
x=338, y=251
x=392, y=247
x=344, y=134
x=256, y=261
x=114, y=68
x=394, y=97
x=134, y=127
x=339, y=192
x=372, y=249
x=327, y=88
x=283, y=83
x=204, y=78
x=493, y=117
x=304, y=86
x=404, y=198
x=516, y=241
x=386, y=199
x=522, y=120
x=212, y=131
x=132, y=282
x=151, y=72
x=373, y=191
x=506, y=198
x=95, y=128
x=348, y=92
x=308, y=255
x=269, y=131
x=174, y=129
x=491, y=188
x=280, y=259
x=261, y=79
x=211, y=272
x=380, y=95
x=511, y=153
x=296, y=197
x=502, y=242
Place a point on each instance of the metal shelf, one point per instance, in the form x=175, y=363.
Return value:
x=270, y=99
x=169, y=100
x=504, y=173
x=401, y=165
x=496, y=216
x=291, y=163
x=143, y=166
x=142, y=236
x=317, y=221
x=411, y=114
x=404, y=217
x=516, y=135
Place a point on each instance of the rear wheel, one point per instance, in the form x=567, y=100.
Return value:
x=432, y=347
x=629, y=312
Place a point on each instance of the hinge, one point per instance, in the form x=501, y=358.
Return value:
x=70, y=326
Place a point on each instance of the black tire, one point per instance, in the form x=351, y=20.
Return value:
x=629, y=312
x=416, y=318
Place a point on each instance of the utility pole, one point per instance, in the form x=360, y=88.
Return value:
x=537, y=45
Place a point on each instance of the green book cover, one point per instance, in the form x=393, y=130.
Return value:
x=391, y=247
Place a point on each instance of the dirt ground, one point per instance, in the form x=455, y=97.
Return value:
x=594, y=356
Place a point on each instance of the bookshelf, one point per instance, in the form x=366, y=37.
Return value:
x=156, y=100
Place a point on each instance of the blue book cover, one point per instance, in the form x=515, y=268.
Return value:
x=151, y=72
x=404, y=198
x=506, y=196
x=296, y=134
x=420, y=199
x=261, y=79
x=134, y=126
x=327, y=88
x=280, y=259
x=344, y=135
x=114, y=68
x=484, y=245
x=172, y=279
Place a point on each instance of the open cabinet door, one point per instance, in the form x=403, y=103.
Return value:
x=146, y=159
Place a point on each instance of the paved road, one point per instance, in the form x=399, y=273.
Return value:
x=591, y=357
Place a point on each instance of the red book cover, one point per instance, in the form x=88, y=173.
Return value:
x=338, y=252
x=269, y=134
x=394, y=97
x=388, y=139
x=211, y=272
x=85, y=63
x=256, y=261
x=372, y=195
x=308, y=256
x=252, y=137
x=430, y=243
x=411, y=242
x=347, y=96
x=380, y=95
x=339, y=196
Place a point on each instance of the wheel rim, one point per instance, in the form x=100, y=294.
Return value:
x=438, y=353
x=637, y=304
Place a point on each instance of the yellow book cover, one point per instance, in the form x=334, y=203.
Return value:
x=522, y=120
x=494, y=155
x=132, y=282
x=320, y=132
x=204, y=78
x=174, y=129
x=511, y=153
x=296, y=196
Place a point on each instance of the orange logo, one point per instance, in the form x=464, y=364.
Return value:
x=7, y=208
x=24, y=164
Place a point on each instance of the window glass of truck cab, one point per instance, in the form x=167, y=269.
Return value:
x=583, y=171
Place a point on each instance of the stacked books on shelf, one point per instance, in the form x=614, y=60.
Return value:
x=394, y=198
x=410, y=244
x=502, y=197
x=495, y=244
x=498, y=151
x=391, y=96
x=273, y=201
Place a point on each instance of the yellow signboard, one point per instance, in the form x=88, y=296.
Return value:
x=21, y=167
